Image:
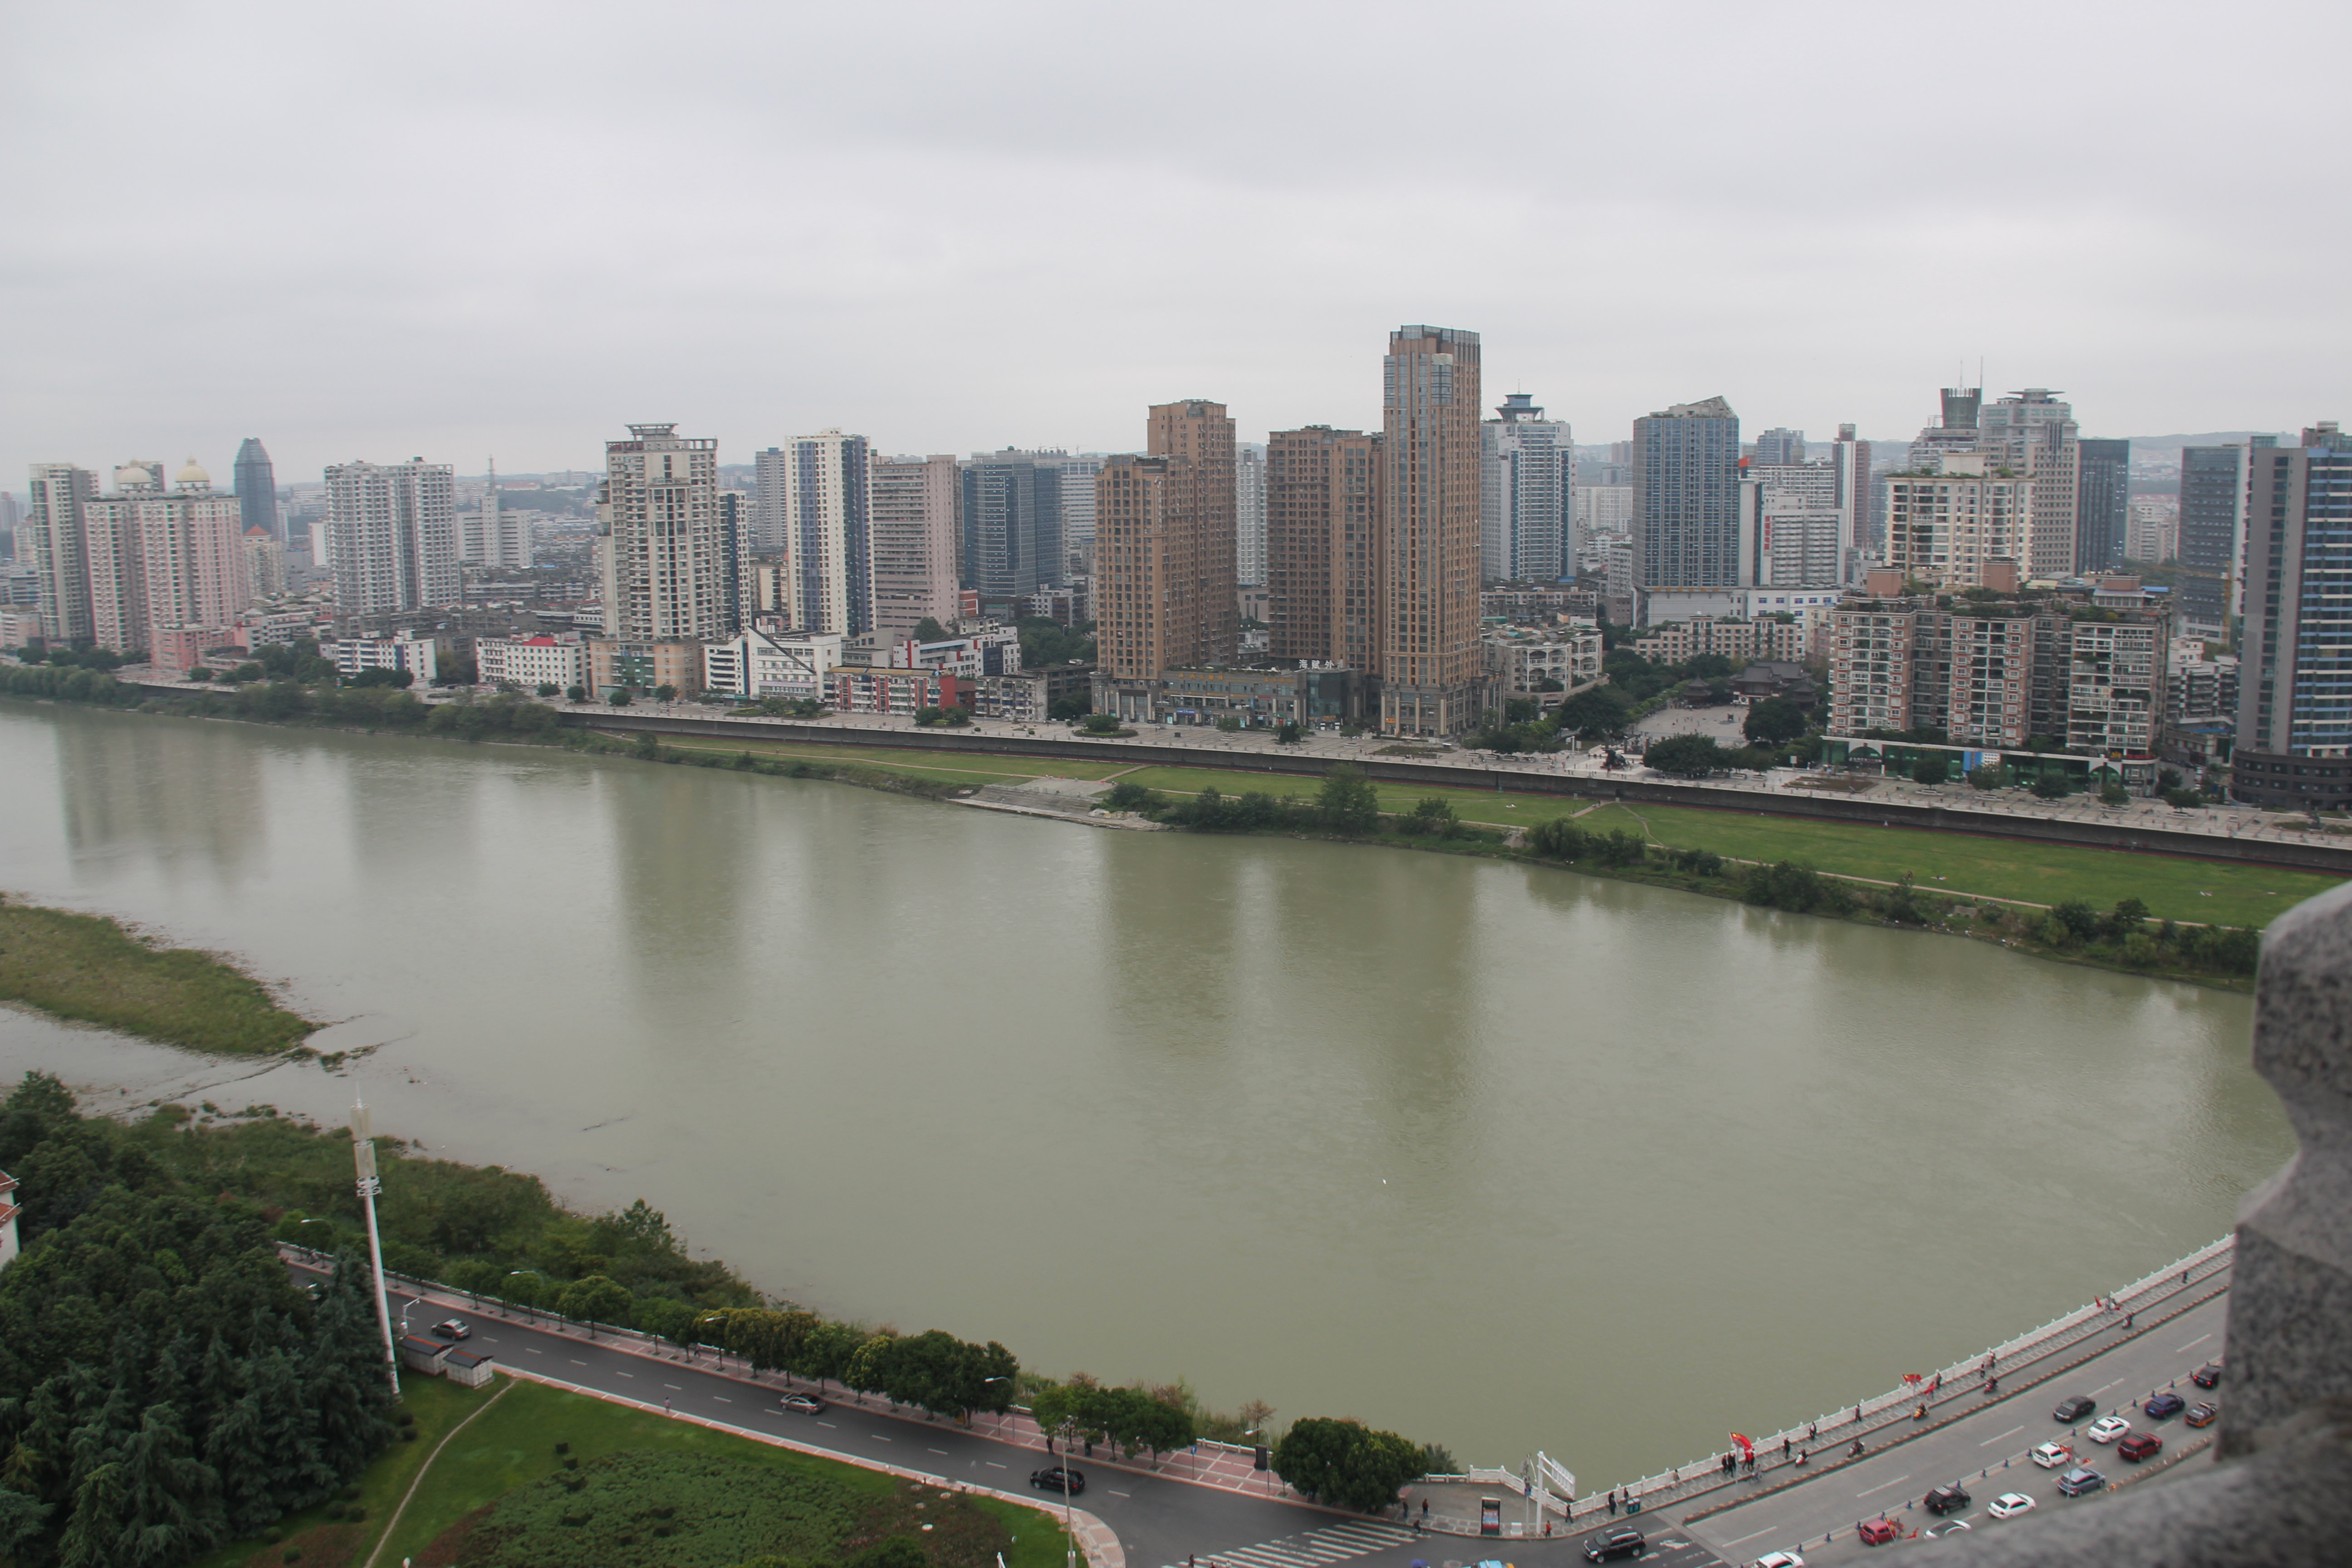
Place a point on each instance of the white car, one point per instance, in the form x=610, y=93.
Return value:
x=1780, y=1560
x=2108, y=1428
x=2052, y=1456
x=2009, y=1505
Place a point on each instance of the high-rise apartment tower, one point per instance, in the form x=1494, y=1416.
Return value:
x=51, y=535
x=392, y=534
x=2294, y=684
x=1432, y=674
x=1322, y=557
x=1686, y=526
x=664, y=547
x=2212, y=493
x=828, y=522
x=913, y=501
x=1526, y=478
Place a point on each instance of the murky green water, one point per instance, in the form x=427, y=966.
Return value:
x=1500, y=1157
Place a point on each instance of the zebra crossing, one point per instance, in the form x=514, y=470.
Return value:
x=1311, y=1550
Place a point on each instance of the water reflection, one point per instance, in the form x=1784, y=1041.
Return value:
x=187, y=795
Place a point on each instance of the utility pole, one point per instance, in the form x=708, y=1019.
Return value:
x=363, y=1161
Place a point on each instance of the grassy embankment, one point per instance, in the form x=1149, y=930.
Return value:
x=511, y=1446
x=89, y=969
x=2175, y=888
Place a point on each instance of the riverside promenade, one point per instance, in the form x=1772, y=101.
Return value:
x=2222, y=831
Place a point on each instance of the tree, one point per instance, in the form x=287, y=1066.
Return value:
x=1347, y=802
x=1686, y=756
x=826, y=1351
x=1435, y=815
x=1100, y=724
x=1775, y=721
x=1069, y=706
x=1290, y=735
x=665, y=692
x=383, y=676
x=1346, y=1464
x=619, y=698
x=2050, y=787
x=549, y=688
x=595, y=1300
x=575, y=693
x=928, y=629
x=1594, y=713
x=1985, y=778
x=1930, y=768
x=2112, y=793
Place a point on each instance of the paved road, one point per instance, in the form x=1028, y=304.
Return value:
x=1984, y=1451
x=1159, y=1520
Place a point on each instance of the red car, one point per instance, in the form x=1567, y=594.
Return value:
x=1880, y=1531
x=2140, y=1445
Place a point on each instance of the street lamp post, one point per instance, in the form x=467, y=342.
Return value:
x=363, y=1164
x=1069, y=1518
x=528, y=1312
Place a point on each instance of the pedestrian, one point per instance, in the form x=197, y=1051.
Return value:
x=2184, y=1276
x=1424, y=1508
x=1857, y=1414
x=2127, y=1320
x=1813, y=1431
x=665, y=1410
x=1937, y=1385
x=1785, y=1446
x=1612, y=1505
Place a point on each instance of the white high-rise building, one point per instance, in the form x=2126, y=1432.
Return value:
x=2031, y=432
x=1942, y=527
x=1249, y=512
x=1526, y=472
x=1075, y=488
x=392, y=535
x=668, y=567
x=492, y=536
x=52, y=542
x=915, y=531
x=1603, y=509
x=828, y=519
x=1802, y=534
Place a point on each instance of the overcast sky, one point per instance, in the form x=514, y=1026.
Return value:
x=459, y=230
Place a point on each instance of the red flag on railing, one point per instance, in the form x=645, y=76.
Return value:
x=1746, y=1449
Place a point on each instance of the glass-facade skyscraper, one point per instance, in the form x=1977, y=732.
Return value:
x=257, y=490
x=1686, y=497
x=1012, y=523
x=2102, y=504
x=2209, y=537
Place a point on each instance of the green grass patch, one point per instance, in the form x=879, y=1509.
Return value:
x=2173, y=887
x=513, y=1447
x=88, y=968
x=955, y=768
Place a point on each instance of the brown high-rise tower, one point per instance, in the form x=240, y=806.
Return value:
x=1433, y=682
x=1322, y=565
x=1164, y=589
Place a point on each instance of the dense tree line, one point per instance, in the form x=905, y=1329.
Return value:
x=1139, y=1420
x=163, y=1387
x=933, y=1371
x=68, y=683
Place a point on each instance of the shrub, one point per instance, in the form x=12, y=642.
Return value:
x=2112, y=793
x=1985, y=778
x=1686, y=756
x=2050, y=787
x=1433, y=816
x=1799, y=888
x=1931, y=768
x=1128, y=795
x=2140, y=951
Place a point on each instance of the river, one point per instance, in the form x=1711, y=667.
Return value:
x=1501, y=1157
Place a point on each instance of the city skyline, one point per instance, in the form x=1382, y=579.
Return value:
x=1669, y=268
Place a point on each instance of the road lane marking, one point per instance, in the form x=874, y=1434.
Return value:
x=534, y=1350
x=942, y=1453
x=673, y=1385
x=723, y=1399
x=1765, y=1530
x=617, y=1372
x=575, y=1361
x=2193, y=1344
x=824, y=1422
x=2105, y=1386
x=1116, y=1492
x=1991, y=1441
x=878, y=1437
x=992, y=1464
x=1883, y=1485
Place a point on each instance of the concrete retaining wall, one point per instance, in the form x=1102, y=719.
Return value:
x=1828, y=808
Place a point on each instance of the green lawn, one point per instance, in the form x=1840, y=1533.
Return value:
x=514, y=1443
x=2172, y=887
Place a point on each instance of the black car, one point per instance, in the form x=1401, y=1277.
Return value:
x=2205, y=1377
x=1945, y=1499
x=451, y=1329
x=2161, y=1405
x=1059, y=1479
x=1623, y=1542
x=2074, y=1410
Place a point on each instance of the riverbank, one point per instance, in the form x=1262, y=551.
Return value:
x=90, y=970
x=2135, y=911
